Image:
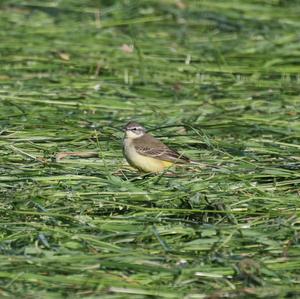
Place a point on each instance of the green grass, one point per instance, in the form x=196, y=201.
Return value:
x=218, y=81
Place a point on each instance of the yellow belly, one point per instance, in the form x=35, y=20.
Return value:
x=144, y=163
x=148, y=164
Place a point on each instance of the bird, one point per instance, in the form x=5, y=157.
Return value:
x=146, y=153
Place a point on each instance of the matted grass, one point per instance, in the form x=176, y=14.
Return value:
x=218, y=81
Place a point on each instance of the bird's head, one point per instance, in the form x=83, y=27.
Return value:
x=134, y=130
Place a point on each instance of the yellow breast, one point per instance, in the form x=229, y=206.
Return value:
x=143, y=163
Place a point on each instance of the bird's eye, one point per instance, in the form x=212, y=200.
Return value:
x=134, y=129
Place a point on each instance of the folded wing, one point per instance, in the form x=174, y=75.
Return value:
x=156, y=149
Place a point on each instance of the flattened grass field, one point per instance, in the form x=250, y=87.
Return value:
x=218, y=81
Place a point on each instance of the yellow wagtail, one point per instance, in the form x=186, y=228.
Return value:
x=147, y=153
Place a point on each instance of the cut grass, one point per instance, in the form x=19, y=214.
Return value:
x=218, y=81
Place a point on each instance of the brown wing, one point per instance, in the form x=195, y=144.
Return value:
x=149, y=146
